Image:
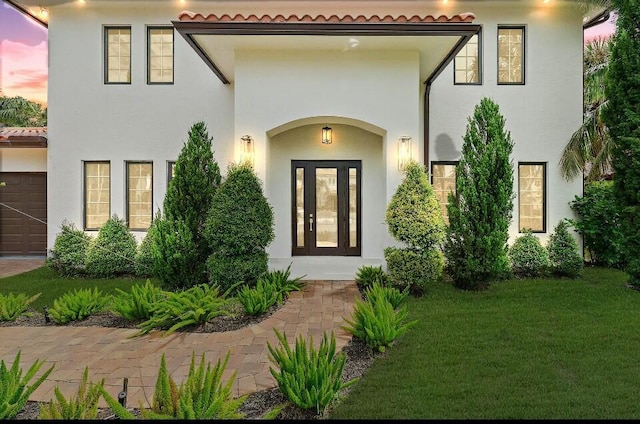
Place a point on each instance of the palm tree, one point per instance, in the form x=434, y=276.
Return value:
x=589, y=148
x=20, y=112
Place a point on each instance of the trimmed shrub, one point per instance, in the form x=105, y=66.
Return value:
x=113, y=252
x=413, y=269
x=69, y=252
x=368, y=275
x=186, y=205
x=174, y=251
x=144, y=256
x=528, y=257
x=564, y=254
x=599, y=224
x=230, y=270
x=414, y=218
x=481, y=208
x=239, y=228
x=413, y=215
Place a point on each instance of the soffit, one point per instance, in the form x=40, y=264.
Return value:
x=217, y=38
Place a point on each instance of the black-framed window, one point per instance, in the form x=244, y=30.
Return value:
x=468, y=63
x=443, y=181
x=511, y=54
x=160, y=52
x=139, y=194
x=171, y=169
x=117, y=55
x=532, y=196
x=97, y=194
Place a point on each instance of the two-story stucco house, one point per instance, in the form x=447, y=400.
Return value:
x=327, y=98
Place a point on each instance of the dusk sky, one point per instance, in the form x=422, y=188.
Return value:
x=23, y=53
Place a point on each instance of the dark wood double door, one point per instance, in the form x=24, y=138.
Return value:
x=326, y=207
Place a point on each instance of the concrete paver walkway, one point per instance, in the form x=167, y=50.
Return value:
x=111, y=354
x=17, y=265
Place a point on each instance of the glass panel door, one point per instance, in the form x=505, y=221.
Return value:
x=326, y=208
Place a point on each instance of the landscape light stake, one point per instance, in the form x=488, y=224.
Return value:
x=46, y=315
x=122, y=396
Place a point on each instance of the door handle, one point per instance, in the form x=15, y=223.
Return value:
x=310, y=222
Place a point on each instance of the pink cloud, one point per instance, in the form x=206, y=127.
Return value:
x=23, y=70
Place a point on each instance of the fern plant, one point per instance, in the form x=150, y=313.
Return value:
x=258, y=300
x=283, y=282
x=202, y=395
x=368, y=274
x=14, y=305
x=196, y=305
x=137, y=304
x=78, y=305
x=308, y=377
x=377, y=324
x=82, y=406
x=376, y=292
x=15, y=389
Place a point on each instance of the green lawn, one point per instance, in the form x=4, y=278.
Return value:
x=43, y=280
x=530, y=349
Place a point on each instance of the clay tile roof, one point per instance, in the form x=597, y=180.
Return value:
x=187, y=16
x=23, y=136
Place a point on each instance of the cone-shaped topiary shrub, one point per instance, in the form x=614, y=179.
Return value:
x=189, y=197
x=414, y=218
x=480, y=211
x=528, y=257
x=564, y=255
x=239, y=228
x=69, y=252
x=114, y=250
x=144, y=256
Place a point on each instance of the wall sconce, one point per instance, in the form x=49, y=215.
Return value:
x=246, y=149
x=44, y=12
x=327, y=136
x=404, y=152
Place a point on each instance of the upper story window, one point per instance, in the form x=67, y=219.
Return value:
x=443, y=180
x=97, y=194
x=511, y=53
x=117, y=55
x=139, y=194
x=532, y=197
x=468, y=63
x=160, y=55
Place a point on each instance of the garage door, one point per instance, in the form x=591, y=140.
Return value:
x=23, y=233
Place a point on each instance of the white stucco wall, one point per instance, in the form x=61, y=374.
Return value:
x=89, y=120
x=541, y=115
x=23, y=160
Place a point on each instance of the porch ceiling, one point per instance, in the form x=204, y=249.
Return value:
x=216, y=39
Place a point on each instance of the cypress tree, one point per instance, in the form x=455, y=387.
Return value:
x=481, y=209
x=186, y=204
x=622, y=116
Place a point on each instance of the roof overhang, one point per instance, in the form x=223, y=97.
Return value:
x=215, y=39
x=32, y=137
